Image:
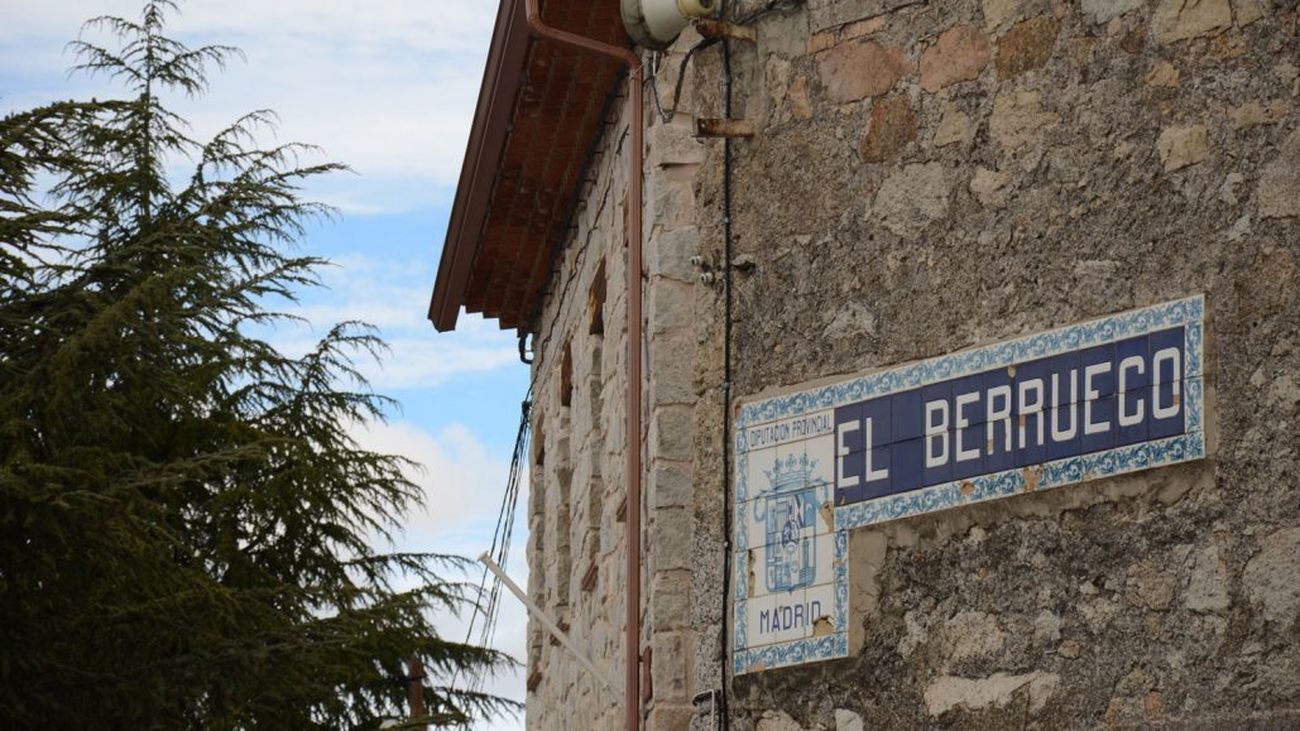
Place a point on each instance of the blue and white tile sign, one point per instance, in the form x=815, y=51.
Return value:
x=1101, y=398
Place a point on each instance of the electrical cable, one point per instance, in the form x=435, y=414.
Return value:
x=725, y=715
x=666, y=115
x=728, y=239
x=501, y=539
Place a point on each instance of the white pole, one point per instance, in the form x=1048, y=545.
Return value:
x=547, y=622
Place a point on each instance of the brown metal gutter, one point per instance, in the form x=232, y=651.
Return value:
x=636, y=132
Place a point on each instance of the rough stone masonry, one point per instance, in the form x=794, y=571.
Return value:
x=928, y=176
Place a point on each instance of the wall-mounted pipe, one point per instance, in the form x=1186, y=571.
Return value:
x=636, y=133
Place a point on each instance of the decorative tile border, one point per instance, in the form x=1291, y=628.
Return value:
x=1097, y=465
x=1188, y=313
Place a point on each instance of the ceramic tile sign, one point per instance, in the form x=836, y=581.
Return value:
x=1119, y=394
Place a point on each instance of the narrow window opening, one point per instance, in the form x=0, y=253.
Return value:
x=566, y=376
x=539, y=444
x=596, y=302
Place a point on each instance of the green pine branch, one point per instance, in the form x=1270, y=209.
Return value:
x=187, y=526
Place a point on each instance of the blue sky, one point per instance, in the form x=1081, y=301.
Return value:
x=387, y=87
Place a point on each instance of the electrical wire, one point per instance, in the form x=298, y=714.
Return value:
x=728, y=239
x=501, y=539
x=666, y=115
x=727, y=457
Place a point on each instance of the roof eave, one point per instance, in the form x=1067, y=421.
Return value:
x=501, y=80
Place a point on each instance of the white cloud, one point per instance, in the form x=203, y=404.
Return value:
x=387, y=86
x=463, y=485
x=390, y=293
x=462, y=482
x=443, y=25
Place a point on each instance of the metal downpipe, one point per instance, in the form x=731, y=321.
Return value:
x=636, y=133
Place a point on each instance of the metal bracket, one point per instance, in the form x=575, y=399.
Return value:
x=549, y=624
x=718, y=29
x=711, y=127
x=711, y=697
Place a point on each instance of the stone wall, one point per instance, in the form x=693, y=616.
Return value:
x=577, y=512
x=929, y=176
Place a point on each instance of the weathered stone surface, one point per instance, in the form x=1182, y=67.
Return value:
x=800, y=101
x=859, y=69
x=948, y=692
x=663, y=717
x=1248, y=11
x=1182, y=146
x=1273, y=278
x=973, y=634
x=990, y=186
x=1270, y=577
x=825, y=14
x=668, y=254
x=671, y=599
x=892, y=127
x=1284, y=392
x=1149, y=587
x=671, y=532
x=819, y=42
x=854, y=320
x=1047, y=627
x=671, y=487
x=776, y=71
x=861, y=28
x=1228, y=191
x=1178, y=20
x=669, y=669
x=777, y=721
x=675, y=385
x=959, y=54
x=1027, y=46
x=1228, y=45
x=1018, y=119
x=1279, y=183
x=1133, y=42
x=1101, y=11
x=670, y=308
x=1254, y=113
x=846, y=720
x=954, y=127
x=673, y=144
x=671, y=432
x=1241, y=228
x=1133, y=682
x=1163, y=74
x=1288, y=74
x=1207, y=587
x=913, y=197
x=915, y=634
x=997, y=12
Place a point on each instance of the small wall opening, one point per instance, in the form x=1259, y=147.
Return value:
x=566, y=376
x=596, y=302
x=539, y=444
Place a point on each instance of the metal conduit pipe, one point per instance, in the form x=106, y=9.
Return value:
x=636, y=133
